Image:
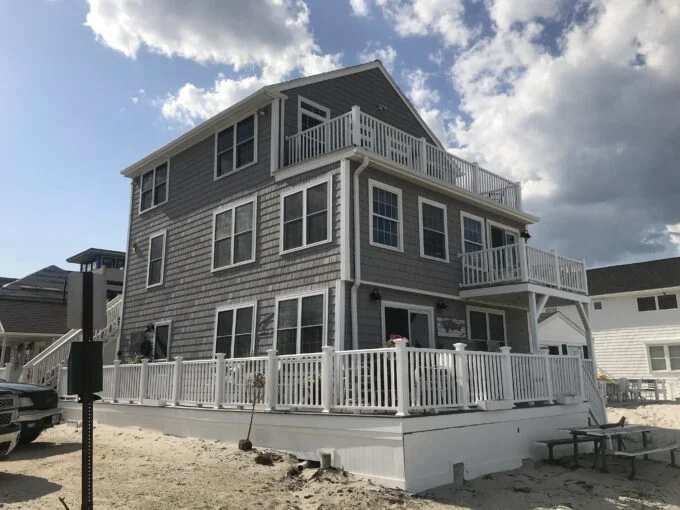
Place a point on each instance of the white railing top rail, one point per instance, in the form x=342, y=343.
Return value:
x=64, y=339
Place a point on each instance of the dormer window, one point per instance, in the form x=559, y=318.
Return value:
x=236, y=147
x=311, y=114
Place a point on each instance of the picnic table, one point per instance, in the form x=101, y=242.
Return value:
x=605, y=436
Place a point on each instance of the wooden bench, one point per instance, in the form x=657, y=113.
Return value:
x=646, y=451
x=551, y=443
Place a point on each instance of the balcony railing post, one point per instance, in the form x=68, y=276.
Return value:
x=558, y=276
x=327, y=378
x=581, y=382
x=220, y=375
x=523, y=267
x=402, y=377
x=506, y=374
x=584, y=276
x=176, y=379
x=116, y=381
x=519, y=195
x=271, y=390
x=548, y=374
x=423, y=156
x=356, y=126
x=475, y=178
x=143, y=380
x=462, y=381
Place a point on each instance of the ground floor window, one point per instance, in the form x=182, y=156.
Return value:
x=301, y=323
x=486, y=325
x=664, y=357
x=235, y=330
x=408, y=321
x=161, y=341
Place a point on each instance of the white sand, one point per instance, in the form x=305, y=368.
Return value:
x=142, y=469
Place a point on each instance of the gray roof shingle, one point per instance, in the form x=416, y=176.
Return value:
x=653, y=274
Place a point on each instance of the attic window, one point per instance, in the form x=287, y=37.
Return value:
x=311, y=114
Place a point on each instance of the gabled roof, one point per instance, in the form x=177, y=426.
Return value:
x=653, y=274
x=47, y=284
x=261, y=97
x=546, y=318
x=87, y=255
x=4, y=280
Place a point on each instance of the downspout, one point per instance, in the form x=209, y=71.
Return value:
x=127, y=264
x=357, y=255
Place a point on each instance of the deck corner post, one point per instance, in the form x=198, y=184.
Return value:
x=327, y=378
x=423, y=155
x=548, y=375
x=270, y=384
x=523, y=268
x=176, y=379
x=116, y=380
x=506, y=374
x=475, y=178
x=402, y=377
x=356, y=126
x=143, y=380
x=462, y=381
x=220, y=375
x=558, y=276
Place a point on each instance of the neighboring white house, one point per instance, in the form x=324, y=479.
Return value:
x=634, y=317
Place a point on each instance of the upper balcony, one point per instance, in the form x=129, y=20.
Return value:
x=386, y=142
x=520, y=263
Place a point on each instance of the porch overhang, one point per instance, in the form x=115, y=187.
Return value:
x=516, y=295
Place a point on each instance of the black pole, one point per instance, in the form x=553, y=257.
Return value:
x=86, y=396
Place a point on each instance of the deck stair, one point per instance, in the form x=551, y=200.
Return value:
x=43, y=369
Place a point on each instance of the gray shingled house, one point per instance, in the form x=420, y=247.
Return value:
x=242, y=232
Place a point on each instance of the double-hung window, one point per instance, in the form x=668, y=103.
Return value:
x=433, y=230
x=311, y=114
x=664, y=357
x=473, y=233
x=486, y=325
x=385, y=216
x=306, y=216
x=234, y=228
x=161, y=341
x=301, y=323
x=663, y=302
x=154, y=187
x=235, y=330
x=156, y=262
x=236, y=146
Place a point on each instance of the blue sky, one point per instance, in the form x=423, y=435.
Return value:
x=501, y=82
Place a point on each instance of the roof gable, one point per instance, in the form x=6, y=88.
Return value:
x=47, y=284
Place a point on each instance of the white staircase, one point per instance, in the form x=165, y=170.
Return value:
x=43, y=369
x=596, y=401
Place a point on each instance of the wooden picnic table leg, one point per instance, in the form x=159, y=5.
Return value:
x=632, y=467
x=644, y=443
x=619, y=441
x=575, y=437
x=596, y=452
x=673, y=458
x=603, y=451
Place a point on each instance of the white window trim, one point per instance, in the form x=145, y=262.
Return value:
x=421, y=201
x=377, y=184
x=487, y=311
x=226, y=207
x=464, y=215
x=667, y=357
x=491, y=223
x=167, y=323
x=303, y=188
x=311, y=114
x=167, y=187
x=428, y=310
x=234, y=307
x=255, y=148
x=299, y=296
x=153, y=236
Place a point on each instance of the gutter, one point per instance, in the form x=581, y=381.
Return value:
x=357, y=255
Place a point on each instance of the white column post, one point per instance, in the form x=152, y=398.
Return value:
x=556, y=262
x=519, y=194
x=548, y=375
x=506, y=374
x=116, y=380
x=220, y=374
x=60, y=380
x=533, y=324
x=581, y=382
x=585, y=277
x=356, y=126
x=402, y=377
x=143, y=380
x=271, y=389
x=176, y=378
x=423, y=155
x=8, y=371
x=327, y=363
x=523, y=267
x=475, y=178
x=462, y=375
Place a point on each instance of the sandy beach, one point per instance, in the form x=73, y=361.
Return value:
x=139, y=469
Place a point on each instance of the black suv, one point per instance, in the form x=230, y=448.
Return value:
x=38, y=408
x=9, y=429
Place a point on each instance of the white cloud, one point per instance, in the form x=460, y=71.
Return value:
x=426, y=100
x=589, y=130
x=386, y=54
x=506, y=12
x=673, y=232
x=134, y=99
x=359, y=7
x=267, y=39
x=437, y=57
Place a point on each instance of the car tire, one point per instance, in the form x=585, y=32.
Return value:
x=30, y=435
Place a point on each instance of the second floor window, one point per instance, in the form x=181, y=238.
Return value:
x=154, y=187
x=156, y=260
x=234, y=234
x=433, y=231
x=306, y=216
x=385, y=215
x=473, y=233
x=663, y=302
x=300, y=324
x=236, y=147
x=235, y=331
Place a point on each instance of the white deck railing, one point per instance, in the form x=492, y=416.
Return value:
x=358, y=129
x=398, y=379
x=522, y=263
